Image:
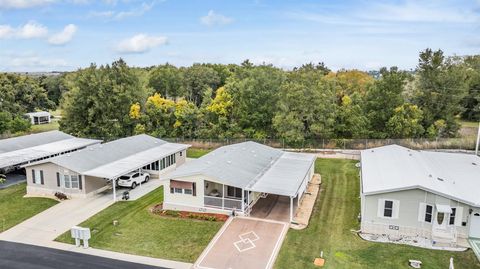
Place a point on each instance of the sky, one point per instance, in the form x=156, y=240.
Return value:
x=64, y=35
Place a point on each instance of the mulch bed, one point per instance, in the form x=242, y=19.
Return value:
x=158, y=210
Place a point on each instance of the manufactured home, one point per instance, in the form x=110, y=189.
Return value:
x=95, y=169
x=425, y=194
x=235, y=177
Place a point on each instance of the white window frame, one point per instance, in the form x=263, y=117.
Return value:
x=391, y=209
x=38, y=177
x=70, y=180
x=185, y=191
x=175, y=191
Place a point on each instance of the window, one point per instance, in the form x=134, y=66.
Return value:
x=66, y=179
x=37, y=177
x=234, y=192
x=428, y=213
x=74, y=181
x=187, y=191
x=162, y=164
x=178, y=190
x=452, y=216
x=388, y=209
x=181, y=153
x=71, y=181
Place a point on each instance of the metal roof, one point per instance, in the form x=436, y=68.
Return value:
x=252, y=166
x=118, y=157
x=285, y=176
x=39, y=114
x=394, y=168
x=27, y=141
x=24, y=149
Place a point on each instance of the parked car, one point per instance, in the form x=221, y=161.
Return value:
x=132, y=180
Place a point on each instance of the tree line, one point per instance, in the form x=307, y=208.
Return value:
x=255, y=101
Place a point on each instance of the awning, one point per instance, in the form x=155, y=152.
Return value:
x=181, y=184
x=285, y=176
x=443, y=208
x=135, y=161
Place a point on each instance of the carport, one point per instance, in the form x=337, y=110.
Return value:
x=287, y=177
x=112, y=171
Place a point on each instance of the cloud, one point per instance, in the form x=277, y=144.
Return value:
x=21, y=4
x=6, y=31
x=140, y=43
x=120, y=15
x=213, y=18
x=26, y=31
x=64, y=36
x=30, y=62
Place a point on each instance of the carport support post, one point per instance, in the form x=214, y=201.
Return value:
x=291, y=208
x=114, y=191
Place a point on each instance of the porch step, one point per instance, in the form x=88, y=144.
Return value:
x=475, y=243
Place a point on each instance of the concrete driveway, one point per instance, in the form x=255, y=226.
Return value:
x=244, y=243
x=273, y=207
x=44, y=227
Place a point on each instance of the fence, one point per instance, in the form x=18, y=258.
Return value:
x=467, y=143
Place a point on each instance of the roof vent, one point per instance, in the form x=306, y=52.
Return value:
x=474, y=163
x=229, y=162
x=430, y=175
x=441, y=179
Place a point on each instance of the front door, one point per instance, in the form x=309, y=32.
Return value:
x=441, y=221
x=475, y=225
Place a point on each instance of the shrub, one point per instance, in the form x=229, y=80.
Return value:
x=61, y=196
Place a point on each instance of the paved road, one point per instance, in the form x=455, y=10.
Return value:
x=21, y=256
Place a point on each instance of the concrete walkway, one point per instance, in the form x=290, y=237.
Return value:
x=43, y=228
x=305, y=209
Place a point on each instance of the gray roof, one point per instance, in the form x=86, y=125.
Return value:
x=24, y=149
x=118, y=157
x=39, y=114
x=395, y=168
x=28, y=141
x=252, y=166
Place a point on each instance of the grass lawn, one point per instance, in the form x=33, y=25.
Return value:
x=15, y=209
x=143, y=233
x=335, y=214
x=45, y=127
x=473, y=124
x=196, y=152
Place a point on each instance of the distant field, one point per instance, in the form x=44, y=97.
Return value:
x=197, y=153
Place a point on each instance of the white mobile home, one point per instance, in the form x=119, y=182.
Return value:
x=92, y=170
x=40, y=117
x=410, y=193
x=18, y=151
x=235, y=177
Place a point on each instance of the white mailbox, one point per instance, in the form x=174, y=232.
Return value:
x=80, y=233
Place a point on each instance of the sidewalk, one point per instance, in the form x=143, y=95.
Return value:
x=120, y=256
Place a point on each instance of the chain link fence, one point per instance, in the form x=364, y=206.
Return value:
x=466, y=144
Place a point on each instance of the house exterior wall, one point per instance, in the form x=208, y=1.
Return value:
x=408, y=215
x=95, y=185
x=50, y=187
x=187, y=202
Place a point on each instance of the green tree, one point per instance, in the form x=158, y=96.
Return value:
x=197, y=79
x=254, y=93
x=306, y=107
x=406, y=122
x=167, y=80
x=440, y=86
x=383, y=97
x=99, y=99
x=350, y=119
x=471, y=102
